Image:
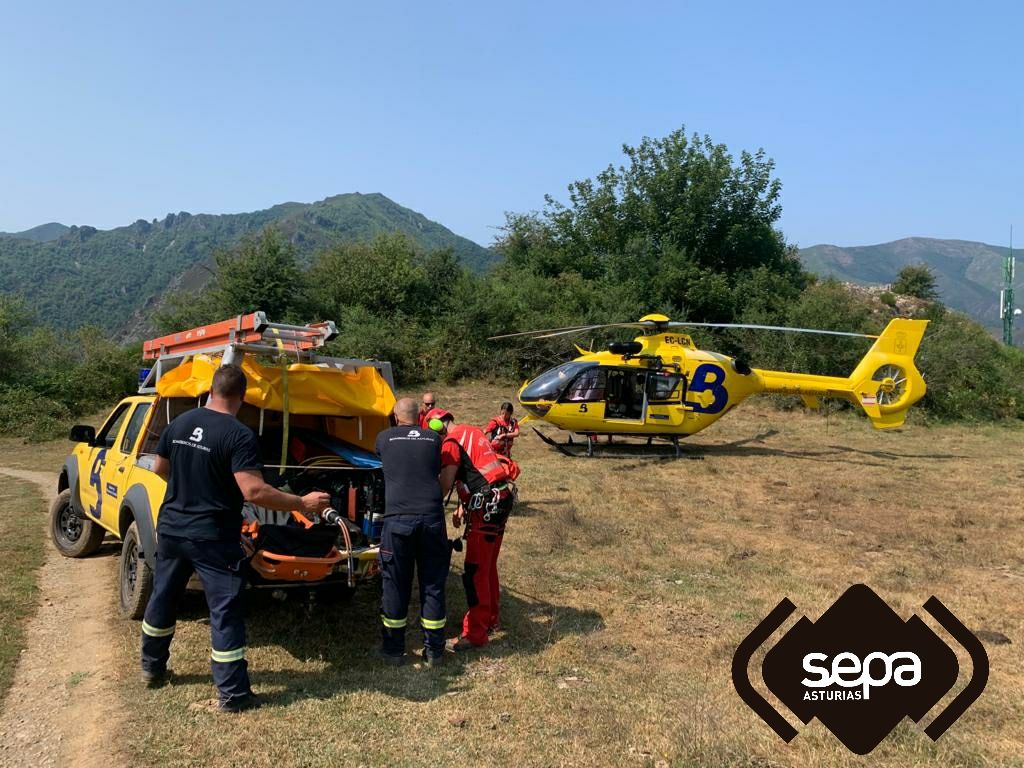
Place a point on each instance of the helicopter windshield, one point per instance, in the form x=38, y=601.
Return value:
x=549, y=385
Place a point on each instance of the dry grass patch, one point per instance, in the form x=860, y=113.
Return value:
x=628, y=585
x=22, y=536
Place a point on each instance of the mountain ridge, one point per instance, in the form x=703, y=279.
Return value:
x=105, y=277
x=968, y=273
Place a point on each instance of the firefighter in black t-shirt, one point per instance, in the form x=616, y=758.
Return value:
x=211, y=462
x=414, y=534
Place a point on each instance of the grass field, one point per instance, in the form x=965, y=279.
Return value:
x=628, y=583
x=22, y=537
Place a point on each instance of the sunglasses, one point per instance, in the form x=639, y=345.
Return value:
x=429, y=405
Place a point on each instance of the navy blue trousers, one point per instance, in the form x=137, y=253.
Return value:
x=408, y=543
x=221, y=567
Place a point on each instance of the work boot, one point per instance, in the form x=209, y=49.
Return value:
x=459, y=644
x=433, y=661
x=234, y=706
x=391, y=660
x=156, y=678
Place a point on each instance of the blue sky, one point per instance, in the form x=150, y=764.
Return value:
x=885, y=119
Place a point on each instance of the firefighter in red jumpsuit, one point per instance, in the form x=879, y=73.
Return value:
x=502, y=430
x=470, y=464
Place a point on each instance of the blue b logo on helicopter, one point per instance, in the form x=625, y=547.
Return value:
x=709, y=378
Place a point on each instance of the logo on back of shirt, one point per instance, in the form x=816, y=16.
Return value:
x=414, y=433
x=197, y=435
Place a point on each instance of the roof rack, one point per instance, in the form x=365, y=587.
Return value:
x=252, y=333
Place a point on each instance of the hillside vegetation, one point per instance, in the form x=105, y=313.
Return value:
x=969, y=275
x=114, y=278
x=682, y=228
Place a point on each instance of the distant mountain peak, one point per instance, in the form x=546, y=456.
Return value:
x=968, y=273
x=44, y=233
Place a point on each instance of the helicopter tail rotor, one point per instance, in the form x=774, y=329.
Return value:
x=886, y=382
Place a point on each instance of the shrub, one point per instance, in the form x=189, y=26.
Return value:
x=29, y=415
x=969, y=374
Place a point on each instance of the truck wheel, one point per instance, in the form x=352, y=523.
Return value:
x=136, y=576
x=73, y=534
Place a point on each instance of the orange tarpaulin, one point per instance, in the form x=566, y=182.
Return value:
x=312, y=389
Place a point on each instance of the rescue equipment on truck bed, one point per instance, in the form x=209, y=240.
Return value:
x=352, y=454
x=339, y=404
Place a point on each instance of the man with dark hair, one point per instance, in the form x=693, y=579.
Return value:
x=502, y=430
x=211, y=462
x=229, y=382
x=414, y=535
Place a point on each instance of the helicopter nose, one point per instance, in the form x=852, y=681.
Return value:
x=536, y=409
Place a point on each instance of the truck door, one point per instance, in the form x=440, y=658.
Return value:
x=120, y=458
x=91, y=482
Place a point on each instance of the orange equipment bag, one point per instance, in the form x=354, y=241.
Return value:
x=510, y=466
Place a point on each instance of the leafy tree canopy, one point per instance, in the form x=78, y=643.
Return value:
x=677, y=225
x=917, y=280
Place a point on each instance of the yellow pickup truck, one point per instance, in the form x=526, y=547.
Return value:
x=316, y=418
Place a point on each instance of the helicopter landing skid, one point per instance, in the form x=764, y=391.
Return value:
x=587, y=449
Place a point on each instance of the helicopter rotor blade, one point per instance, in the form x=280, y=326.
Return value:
x=547, y=333
x=783, y=328
x=596, y=327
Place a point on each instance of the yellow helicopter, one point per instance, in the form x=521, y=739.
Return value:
x=661, y=386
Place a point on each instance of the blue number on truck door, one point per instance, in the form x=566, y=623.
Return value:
x=709, y=378
x=94, y=480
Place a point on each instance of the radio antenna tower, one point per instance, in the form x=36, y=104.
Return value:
x=1006, y=308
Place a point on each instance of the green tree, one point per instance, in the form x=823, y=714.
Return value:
x=916, y=280
x=260, y=273
x=15, y=320
x=677, y=226
x=384, y=276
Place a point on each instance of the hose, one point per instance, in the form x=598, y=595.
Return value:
x=334, y=517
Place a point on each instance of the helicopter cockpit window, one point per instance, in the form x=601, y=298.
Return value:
x=549, y=385
x=587, y=387
x=663, y=387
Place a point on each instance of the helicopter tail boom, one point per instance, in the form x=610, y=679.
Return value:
x=885, y=383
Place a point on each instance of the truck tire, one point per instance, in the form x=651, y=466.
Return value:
x=73, y=534
x=136, y=577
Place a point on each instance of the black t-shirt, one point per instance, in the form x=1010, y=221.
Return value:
x=203, y=501
x=412, y=463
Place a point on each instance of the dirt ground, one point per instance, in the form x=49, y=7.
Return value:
x=65, y=692
x=628, y=582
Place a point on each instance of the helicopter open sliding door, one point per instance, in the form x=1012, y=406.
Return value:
x=626, y=394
